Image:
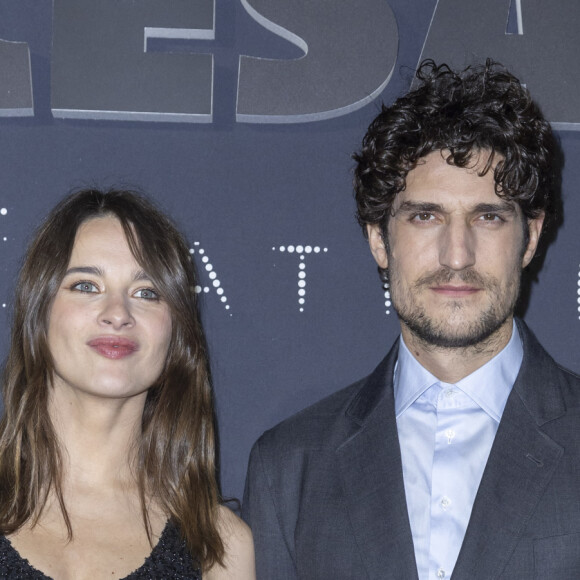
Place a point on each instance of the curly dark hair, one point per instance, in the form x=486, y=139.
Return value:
x=480, y=109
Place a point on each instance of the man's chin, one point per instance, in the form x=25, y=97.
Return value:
x=447, y=334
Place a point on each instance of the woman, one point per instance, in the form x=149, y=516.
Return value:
x=107, y=458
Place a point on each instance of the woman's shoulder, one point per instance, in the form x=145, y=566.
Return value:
x=239, y=561
x=229, y=524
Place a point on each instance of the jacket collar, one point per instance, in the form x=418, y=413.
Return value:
x=546, y=402
x=376, y=387
x=537, y=368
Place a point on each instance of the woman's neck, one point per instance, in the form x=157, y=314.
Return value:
x=97, y=437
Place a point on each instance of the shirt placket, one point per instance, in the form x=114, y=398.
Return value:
x=444, y=540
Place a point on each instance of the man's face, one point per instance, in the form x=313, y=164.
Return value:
x=454, y=253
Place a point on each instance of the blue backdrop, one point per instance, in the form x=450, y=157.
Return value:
x=255, y=166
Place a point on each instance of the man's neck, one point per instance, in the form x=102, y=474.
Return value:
x=450, y=365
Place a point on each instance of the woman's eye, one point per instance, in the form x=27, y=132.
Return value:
x=85, y=287
x=147, y=293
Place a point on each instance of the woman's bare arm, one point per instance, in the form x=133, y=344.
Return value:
x=239, y=563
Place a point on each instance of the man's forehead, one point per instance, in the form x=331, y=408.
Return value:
x=434, y=181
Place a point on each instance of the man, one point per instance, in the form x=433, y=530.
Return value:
x=459, y=456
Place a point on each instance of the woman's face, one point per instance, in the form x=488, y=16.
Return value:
x=109, y=330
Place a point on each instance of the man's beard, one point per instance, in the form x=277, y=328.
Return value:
x=442, y=333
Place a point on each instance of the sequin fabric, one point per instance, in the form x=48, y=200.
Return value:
x=170, y=558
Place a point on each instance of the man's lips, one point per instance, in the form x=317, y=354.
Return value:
x=455, y=291
x=113, y=346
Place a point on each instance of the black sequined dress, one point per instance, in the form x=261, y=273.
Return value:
x=169, y=559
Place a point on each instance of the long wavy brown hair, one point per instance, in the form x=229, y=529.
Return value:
x=175, y=461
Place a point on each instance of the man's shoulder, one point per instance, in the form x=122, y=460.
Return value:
x=571, y=382
x=539, y=362
x=547, y=388
x=316, y=422
x=569, y=375
x=304, y=445
x=330, y=420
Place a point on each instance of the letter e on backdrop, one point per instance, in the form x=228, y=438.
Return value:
x=101, y=68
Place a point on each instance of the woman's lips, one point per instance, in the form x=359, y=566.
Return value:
x=114, y=347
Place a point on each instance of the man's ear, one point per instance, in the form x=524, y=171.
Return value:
x=535, y=229
x=377, y=245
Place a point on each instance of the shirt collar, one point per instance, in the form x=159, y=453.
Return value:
x=489, y=386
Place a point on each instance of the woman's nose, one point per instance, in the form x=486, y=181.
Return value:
x=116, y=312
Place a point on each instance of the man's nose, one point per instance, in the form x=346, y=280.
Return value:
x=457, y=245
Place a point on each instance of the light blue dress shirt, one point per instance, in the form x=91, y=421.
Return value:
x=446, y=432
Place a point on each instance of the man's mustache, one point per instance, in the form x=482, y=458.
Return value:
x=444, y=276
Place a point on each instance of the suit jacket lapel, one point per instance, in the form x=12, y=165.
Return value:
x=521, y=463
x=372, y=476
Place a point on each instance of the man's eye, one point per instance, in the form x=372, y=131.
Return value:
x=490, y=217
x=424, y=216
x=147, y=294
x=87, y=287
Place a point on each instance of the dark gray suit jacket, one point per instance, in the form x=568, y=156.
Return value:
x=325, y=496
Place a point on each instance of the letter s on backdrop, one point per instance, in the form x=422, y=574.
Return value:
x=350, y=49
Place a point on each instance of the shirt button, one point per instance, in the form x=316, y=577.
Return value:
x=445, y=503
x=440, y=573
x=449, y=433
x=449, y=393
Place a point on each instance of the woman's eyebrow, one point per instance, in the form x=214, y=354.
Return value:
x=141, y=275
x=93, y=270
x=96, y=271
